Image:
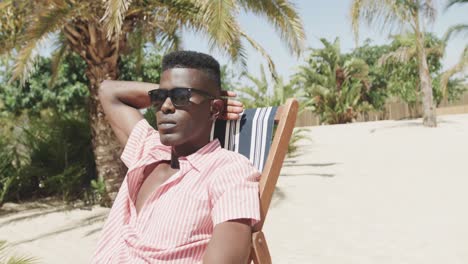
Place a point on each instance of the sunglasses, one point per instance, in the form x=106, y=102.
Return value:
x=180, y=96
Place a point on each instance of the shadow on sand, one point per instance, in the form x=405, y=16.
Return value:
x=32, y=215
x=409, y=124
x=101, y=217
x=278, y=197
x=328, y=175
x=294, y=164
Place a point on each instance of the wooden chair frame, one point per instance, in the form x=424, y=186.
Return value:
x=285, y=118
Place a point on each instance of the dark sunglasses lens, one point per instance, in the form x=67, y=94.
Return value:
x=158, y=96
x=180, y=96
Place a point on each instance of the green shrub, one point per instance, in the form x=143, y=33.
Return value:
x=56, y=158
x=335, y=86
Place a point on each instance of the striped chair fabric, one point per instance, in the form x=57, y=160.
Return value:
x=250, y=136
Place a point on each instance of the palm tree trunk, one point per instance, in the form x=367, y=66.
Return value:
x=106, y=148
x=429, y=113
x=101, y=56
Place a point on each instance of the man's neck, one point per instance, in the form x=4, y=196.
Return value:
x=184, y=151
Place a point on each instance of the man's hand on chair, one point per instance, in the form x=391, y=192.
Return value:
x=232, y=108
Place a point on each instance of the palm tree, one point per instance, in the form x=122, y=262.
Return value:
x=459, y=28
x=407, y=49
x=102, y=31
x=400, y=65
x=402, y=14
x=334, y=88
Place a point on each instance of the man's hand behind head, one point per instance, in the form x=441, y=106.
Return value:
x=232, y=108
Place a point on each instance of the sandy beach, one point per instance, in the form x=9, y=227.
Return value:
x=364, y=193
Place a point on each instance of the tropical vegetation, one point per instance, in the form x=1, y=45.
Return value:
x=102, y=32
x=46, y=144
x=260, y=92
x=334, y=87
x=405, y=15
x=55, y=141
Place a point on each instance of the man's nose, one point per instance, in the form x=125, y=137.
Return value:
x=168, y=106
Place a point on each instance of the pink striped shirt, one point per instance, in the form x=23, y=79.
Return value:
x=176, y=223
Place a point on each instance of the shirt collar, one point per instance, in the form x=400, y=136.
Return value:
x=161, y=152
x=196, y=160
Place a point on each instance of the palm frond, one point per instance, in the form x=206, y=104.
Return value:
x=428, y=10
x=307, y=74
x=185, y=12
x=213, y=19
x=283, y=15
x=261, y=86
x=461, y=66
x=222, y=27
x=114, y=16
x=456, y=30
x=451, y=3
x=25, y=61
x=355, y=15
x=216, y=20
x=22, y=260
x=5, y=256
x=168, y=36
x=259, y=48
x=170, y=41
x=386, y=15
x=407, y=50
x=57, y=59
x=48, y=22
x=401, y=55
x=356, y=69
x=160, y=22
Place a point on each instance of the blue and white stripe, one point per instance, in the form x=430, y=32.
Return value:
x=250, y=136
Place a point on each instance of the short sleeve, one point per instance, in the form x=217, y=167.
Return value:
x=234, y=193
x=134, y=148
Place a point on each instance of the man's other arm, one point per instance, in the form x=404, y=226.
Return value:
x=121, y=101
x=230, y=243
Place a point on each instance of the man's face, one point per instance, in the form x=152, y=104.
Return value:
x=186, y=126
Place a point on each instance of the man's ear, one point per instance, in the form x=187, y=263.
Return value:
x=217, y=108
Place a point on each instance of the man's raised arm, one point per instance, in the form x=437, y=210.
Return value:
x=121, y=102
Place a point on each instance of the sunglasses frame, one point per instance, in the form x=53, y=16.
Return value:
x=169, y=93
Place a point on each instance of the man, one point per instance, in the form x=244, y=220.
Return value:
x=184, y=199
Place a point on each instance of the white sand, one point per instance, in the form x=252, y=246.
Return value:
x=377, y=192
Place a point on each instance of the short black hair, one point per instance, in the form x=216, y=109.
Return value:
x=193, y=60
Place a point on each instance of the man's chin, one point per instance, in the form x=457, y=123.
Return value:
x=170, y=140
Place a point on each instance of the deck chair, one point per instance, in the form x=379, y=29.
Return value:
x=251, y=136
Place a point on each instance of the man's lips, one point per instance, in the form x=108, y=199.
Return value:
x=166, y=124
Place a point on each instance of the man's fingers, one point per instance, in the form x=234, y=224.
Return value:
x=229, y=116
x=228, y=93
x=234, y=109
x=233, y=103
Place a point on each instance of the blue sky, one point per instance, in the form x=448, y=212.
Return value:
x=324, y=19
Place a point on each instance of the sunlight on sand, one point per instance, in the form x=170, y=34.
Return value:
x=376, y=192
